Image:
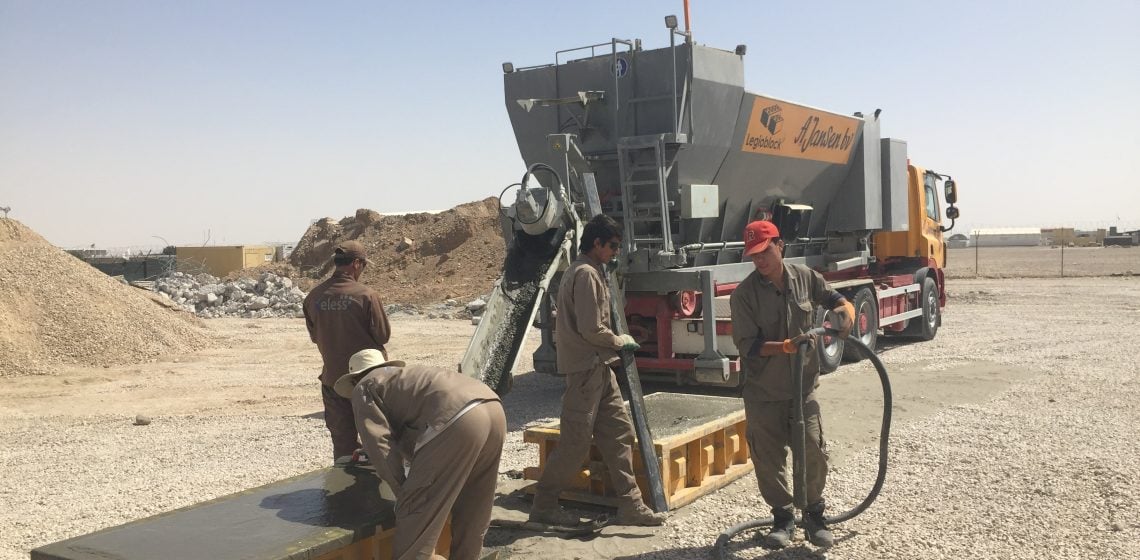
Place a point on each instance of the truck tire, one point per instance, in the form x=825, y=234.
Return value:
x=829, y=349
x=931, y=319
x=866, y=326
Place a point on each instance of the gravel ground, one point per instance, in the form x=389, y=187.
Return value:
x=1044, y=467
x=1042, y=262
x=55, y=309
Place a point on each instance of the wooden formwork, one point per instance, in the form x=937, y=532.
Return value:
x=379, y=546
x=699, y=441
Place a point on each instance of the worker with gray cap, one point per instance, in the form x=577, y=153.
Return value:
x=435, y=437
x=344, y=317
x=772, y=312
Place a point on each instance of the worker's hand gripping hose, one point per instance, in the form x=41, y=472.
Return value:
x=798, y=460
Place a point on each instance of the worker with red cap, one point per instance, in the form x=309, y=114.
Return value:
x=344, y=317
x=772, y=313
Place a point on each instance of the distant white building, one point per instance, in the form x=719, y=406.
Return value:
x=958, y=241
x=1005, y=237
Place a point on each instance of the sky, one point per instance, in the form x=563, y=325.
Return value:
x=146, y=122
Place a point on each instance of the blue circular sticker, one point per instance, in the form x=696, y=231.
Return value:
x=621, y=67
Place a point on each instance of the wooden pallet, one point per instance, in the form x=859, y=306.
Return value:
x=699, y=441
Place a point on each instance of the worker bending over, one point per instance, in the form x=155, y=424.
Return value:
x=448, y=429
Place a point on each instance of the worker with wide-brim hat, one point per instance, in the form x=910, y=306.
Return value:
x=435, y=437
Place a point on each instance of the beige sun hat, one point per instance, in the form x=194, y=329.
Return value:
x=359, y=365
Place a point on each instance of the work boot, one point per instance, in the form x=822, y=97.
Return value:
x=816, y=528
x=637, y=513
x=782, y=531
x=554, y=516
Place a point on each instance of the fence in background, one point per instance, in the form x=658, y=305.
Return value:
x=1061, y=252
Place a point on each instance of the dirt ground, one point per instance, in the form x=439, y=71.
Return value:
x=994, y=454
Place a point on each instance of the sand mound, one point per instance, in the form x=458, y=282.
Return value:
x=457, y=253
x=56, y=309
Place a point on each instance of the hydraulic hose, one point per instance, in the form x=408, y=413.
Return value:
x=798, y=452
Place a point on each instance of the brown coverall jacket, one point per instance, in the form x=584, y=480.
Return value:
x=584, y=338
x=344, y=317
x=454, y=472
x=592, y=407
x=761, y=313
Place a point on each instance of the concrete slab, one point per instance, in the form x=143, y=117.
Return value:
x=295, y=519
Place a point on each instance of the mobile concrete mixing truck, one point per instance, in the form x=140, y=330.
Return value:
x=668, y=142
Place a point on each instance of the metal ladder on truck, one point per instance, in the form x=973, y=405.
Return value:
x=643, y=170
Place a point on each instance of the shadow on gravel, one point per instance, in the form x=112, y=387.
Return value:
x=671, y=554
x=887, y=343
x=533, y=396
x=516, y=506
x=747, y=547
x=740, y=551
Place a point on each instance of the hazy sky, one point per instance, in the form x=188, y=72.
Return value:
x=244, y=120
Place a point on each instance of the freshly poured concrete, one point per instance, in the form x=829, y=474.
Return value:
x=296, y=519
x=672, y=414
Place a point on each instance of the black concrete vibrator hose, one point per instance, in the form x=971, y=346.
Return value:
x=798, y=444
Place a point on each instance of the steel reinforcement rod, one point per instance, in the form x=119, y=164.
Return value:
x=627, y=368
x=798, y=458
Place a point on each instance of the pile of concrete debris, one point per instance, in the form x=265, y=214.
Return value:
x=210, y=297
x=270, y=295
x=449, y=309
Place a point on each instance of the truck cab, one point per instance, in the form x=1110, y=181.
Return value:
x=922, y=240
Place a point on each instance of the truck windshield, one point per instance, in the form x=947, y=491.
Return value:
x=931, y=197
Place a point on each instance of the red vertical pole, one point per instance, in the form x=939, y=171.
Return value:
x=688, y=29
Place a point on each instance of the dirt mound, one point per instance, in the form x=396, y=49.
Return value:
x=457, y=253
x=56, y=309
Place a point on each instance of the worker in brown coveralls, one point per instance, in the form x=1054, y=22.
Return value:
x=343, y=317
x=771, y=314
x=447, y=430
x=592, y=406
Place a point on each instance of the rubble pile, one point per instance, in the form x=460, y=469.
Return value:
x=269, y=295
x=449, y=309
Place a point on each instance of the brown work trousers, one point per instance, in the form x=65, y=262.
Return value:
x=770, y=425
x=591, y=409
x=456, y=472
x=340, y=422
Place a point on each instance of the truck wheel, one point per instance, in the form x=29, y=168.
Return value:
x=866, y=326
x=926, y=328
x=829, y=348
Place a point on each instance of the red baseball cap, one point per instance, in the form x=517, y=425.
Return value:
x=758, y=235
